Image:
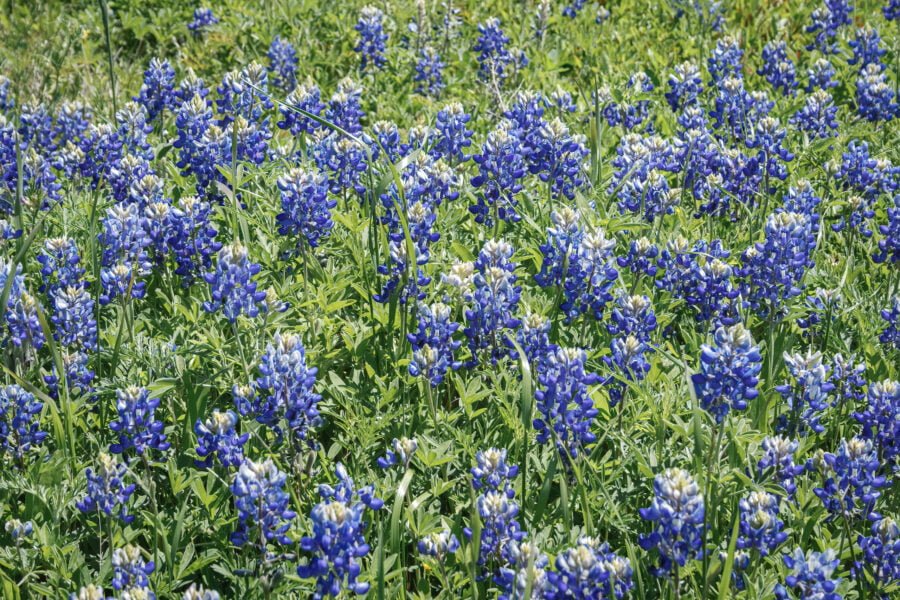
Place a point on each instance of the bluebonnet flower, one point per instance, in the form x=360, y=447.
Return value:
x=7, y=102
x=891, y=10
x=217, y=437
x=78, y=376
x=192, y=238
x=198, y=592
x=282, y=64
x=561, y=100
x=493, y=302
x=284, y=390
x=386, y=141
x=848, y=379
x=826, y=21
x=494, y=58
x=708, y=12
x=372, y=38
x=870, y=177
x=244, y=94
x=20, y=422
x=157, y=91
x=72, y=122
x=137, y=426
x=124, y=261
x=729, y=372
x=633, y=314
x=807, y=397
x=641, y=257
x=306, y=97
x=438, y=545
x=73, y=318
x=821, y=75
x=203, y=20
x=881, y=550
x=193, y=120
x=760, y=527
x=874, y=94
x=769, y=137
x=262, y=505
x=865, y=47
x=777, y=68
x=890, y=335
x=566, y=407
x=131, y=571
x=677, y=512
x=60, y=264
x=232, y=288
x=344, y=108
x=492, y=472
x=499, y=527
x=889, y=246
x=188, y=87
x=18, y=530
x=20, y=314
x=880, y=420
x=534, y=339
x=773, y=269
x=726, y=60
x=338, y=538
x=627, y=360
x=501, y=167
x=107, y=489
x=582, y=264
x=432, y=343
x=778, y=455
x=685, y=86
x=524, y=565
x=40, y=186
x=452, y=134
x=36, y=128
x=640, y=162
x=429, y=76
x=811, y=576
x=133, y=127
x=89, y=592
x=306, y=207
x=822, y=303
x=344, y=160
x=852, y=482
x=572, y=9
x=426, y=185
x=818, y=116
x=589, y=570
x=603, y=14
x=401, y=453
x=558, y=159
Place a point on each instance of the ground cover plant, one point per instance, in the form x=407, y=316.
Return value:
x=439, y=299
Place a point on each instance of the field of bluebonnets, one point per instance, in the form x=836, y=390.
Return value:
x=434, y=299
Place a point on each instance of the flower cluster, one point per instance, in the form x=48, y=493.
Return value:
x=20, y=422
x=232, y=288
x=107, y=490
x=567, y=409
x=137, y=426
x=262, y=505
x=729, y=372
x=372, y=38
x=678, y=515
x=284, y=391
x=217, y=437
x=810, y=577
x=337, y=542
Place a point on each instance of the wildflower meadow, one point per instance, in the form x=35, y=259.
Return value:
x=411, y=299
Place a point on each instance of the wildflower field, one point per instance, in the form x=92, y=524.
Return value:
x=422, y=299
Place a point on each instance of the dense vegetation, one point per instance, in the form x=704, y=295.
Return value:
x=516, y=299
